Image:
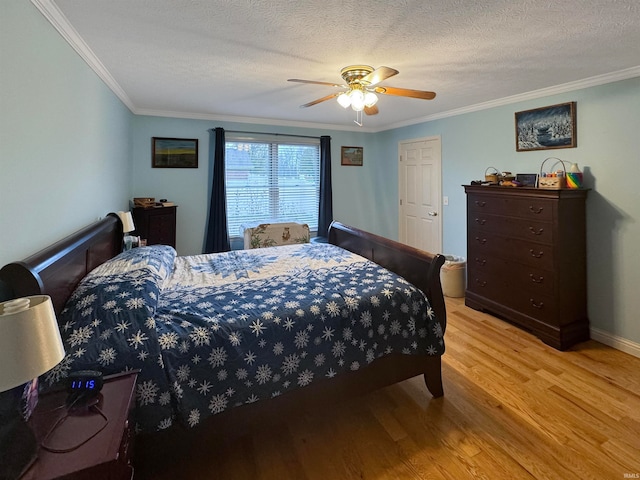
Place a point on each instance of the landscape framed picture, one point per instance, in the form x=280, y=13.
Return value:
x=352, y=156
x=546, y=128
x=174, y=152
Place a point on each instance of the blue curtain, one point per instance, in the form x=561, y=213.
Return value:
x=325, y=211
x=217, y=239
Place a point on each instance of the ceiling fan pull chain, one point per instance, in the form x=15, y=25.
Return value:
x=358, y=120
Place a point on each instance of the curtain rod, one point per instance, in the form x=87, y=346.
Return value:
x=276, y=134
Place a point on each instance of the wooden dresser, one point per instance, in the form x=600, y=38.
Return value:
x=157, y=225
x=526, y=259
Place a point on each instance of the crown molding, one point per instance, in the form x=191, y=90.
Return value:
x=543, y=92
x=255, y=120
x=53, y=14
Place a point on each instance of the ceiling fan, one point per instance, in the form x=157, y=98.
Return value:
x=362, y=86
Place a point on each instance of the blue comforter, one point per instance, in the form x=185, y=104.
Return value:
x=210, y=332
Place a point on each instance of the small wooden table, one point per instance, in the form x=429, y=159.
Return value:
x=107, y=454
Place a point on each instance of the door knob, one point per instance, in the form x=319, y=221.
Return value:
x=433, y=214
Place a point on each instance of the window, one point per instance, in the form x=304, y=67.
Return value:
x=271, y=180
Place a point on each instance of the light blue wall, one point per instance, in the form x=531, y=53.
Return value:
x=608, y=119
x=608, y=122
x=71, y=152
x=65, y=137
x=355, y=202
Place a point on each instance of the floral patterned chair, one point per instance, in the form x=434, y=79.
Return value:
x=274, y=234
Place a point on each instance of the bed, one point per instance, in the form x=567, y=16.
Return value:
x=317, y=335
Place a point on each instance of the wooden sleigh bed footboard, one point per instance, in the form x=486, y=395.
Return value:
x=56, y=271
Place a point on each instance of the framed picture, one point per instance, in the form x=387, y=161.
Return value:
x=527, y=179
x=174, y=152
x=546, y=128
x=352, y=156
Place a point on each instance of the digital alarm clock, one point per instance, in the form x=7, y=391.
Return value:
x=83, y=385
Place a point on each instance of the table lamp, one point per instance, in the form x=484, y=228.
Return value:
x=30, y=345
x=127, y=226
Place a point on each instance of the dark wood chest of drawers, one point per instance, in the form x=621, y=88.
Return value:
x=156, y=225
x=526, y=259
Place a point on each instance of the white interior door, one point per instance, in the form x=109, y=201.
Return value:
x=420, y=176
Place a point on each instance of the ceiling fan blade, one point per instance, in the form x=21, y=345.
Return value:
x=316, y=83
x=405, y=92
x=320, y=100
x=371, y=110
x=378, y=75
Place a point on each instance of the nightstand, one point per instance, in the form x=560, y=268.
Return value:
x=156, y=224
x=107, y=455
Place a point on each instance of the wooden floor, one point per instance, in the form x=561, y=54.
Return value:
x=513, y=408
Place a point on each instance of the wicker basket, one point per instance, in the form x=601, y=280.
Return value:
x=555, y=182
x=144, y=202
x=493, y=178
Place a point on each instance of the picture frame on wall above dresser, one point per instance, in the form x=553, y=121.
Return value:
x=174, y=152
x=546, y=128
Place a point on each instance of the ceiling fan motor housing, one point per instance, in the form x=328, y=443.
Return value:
x=354, y=73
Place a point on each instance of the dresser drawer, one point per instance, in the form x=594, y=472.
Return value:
x=484, y=244
x=512, y=274
x=540, y=307
x=525, y=228
x=541, y=209
x=487, y=284
x=535, y=302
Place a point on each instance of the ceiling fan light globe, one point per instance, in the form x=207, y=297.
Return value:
x=370, y=99
x=344, y=100
x=357, y=100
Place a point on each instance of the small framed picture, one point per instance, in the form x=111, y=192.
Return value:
x=352, y=156
x=546, y=128
x=527, y=179
x=174, y=152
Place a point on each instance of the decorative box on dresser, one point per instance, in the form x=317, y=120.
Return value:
x=156, y=224
x=526, y=259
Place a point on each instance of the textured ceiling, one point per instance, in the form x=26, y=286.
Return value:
x=231, y=59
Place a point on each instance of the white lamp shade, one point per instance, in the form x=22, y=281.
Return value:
x=127, y=221
x=30, y=342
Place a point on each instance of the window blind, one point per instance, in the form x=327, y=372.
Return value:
x=271, y=180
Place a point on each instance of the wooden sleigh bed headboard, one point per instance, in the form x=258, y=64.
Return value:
x=57, y=269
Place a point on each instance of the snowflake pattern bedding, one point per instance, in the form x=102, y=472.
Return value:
x=210, y=332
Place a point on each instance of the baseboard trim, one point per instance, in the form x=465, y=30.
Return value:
x=616, y=342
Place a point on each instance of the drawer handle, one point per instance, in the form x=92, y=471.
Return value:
x=481, y=241
x=533, y=230
x=536, y=255
x=481, y=221
x=536, y=280
x=480, y=204
x=536, y=305
x=481, y=261
x=482, y=283
x=536, y=210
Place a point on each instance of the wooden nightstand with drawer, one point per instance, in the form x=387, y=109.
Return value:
x=99, y=441
x=526, y=259
x=157, y=225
